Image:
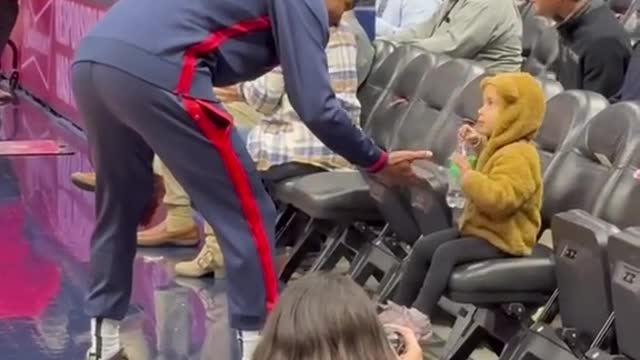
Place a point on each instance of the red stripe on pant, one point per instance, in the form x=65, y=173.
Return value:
x=220, y=138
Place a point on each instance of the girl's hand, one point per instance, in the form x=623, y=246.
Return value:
x=469, y=135
x=413, y=351
x=462, y=162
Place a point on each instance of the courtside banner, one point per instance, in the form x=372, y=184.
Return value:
x=47, y=34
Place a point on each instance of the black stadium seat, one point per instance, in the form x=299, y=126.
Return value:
x=624, y=258
x=395, y=103
x=544, y=53
x=343, y=197
x=381, y=80
x=383, y=49
x=566, y=113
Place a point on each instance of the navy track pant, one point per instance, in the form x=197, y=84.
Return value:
x=127, y=120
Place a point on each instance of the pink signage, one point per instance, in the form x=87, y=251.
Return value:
x=47, y=33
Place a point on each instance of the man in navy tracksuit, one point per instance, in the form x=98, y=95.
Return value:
x=143, y=82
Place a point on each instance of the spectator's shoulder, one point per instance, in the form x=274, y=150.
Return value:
x=610, y=44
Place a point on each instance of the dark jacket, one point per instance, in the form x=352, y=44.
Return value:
x=188, y=46
x=594, y=50
x=631, y=87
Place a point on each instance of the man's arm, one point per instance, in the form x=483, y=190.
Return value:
x=472, y=28
x=301, y=32
x=604, y=67
x=414, y=12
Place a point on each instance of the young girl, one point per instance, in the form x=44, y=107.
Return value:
x=329, y=317
x=503, y=193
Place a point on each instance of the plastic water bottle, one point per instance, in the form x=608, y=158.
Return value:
x=455, y=196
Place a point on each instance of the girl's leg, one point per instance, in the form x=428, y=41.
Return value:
x=416, y=266
x=445, y=258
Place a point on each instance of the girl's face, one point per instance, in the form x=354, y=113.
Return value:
x=492, y=104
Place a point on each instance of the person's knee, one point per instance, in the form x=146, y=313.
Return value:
x=445, y=256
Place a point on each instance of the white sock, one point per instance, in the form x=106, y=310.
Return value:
x=248, y=341
x=105, y=338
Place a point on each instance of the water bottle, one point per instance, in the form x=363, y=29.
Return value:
x=455, y=197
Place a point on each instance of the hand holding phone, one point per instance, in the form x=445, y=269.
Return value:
x=410, y=348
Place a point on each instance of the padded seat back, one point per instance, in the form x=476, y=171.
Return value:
x=435, y=97
x=443, y=140
x=434, y=102
x=582, y=271
x=382, y=79
x=550, y=87
x=621, y=206
x=544, y=52
x=580, y=173
x=566, y=114
x=395, y=103
x=383, y=49
x=532, y=28
x=624, y=259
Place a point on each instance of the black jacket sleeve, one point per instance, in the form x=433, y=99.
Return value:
x=604, y=65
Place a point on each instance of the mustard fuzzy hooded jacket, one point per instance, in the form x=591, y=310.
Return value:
x=504, y=192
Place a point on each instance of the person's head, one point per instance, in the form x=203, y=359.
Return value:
x=324, y=317
x=335, y=9
x=513, y=106
x=555, y=9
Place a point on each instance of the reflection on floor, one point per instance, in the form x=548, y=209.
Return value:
x=46, y=224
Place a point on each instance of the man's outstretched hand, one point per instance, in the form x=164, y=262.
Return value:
x=398, y=170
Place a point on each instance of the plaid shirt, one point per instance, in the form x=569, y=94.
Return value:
x=281, y=136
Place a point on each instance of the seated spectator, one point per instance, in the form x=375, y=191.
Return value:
x=282, y=137
x=328, y=316
x=279, y=138
x=365, y=52
x=595, y=48
x=393, y=16
x=8, y=17
x=486, y=31
x=503, y=193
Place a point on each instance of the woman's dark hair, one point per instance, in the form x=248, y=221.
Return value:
x=324, y=316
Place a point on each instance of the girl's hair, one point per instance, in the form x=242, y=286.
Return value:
x=324, y=316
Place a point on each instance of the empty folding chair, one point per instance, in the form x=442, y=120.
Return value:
x=338, y=199
x=566, y=114
x=382, y=78
x=439, y=94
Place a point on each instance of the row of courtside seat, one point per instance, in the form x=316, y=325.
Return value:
x=590, y=153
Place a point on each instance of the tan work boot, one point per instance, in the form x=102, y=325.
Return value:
x=209, y=261
x=160, y=235
x=84, y=180
x=119, y=356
